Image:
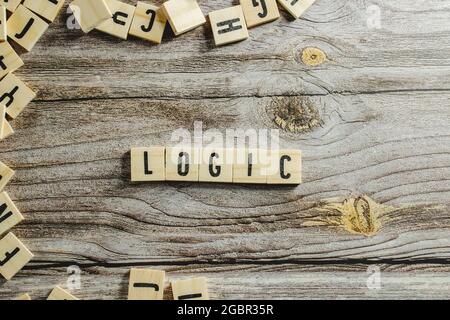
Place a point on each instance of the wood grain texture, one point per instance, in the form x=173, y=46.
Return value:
x=378, y=126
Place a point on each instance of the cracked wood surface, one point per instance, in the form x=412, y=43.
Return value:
x=382, y=101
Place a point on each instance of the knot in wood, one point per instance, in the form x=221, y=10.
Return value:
x=313, y=56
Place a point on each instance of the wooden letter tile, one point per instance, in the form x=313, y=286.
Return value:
x=11, y=5
x=146, y=284
x=5, y=175
x=48, y=9
x=13, y=256
x=182, y=164
x=190, y=289
x=26, y=27
x=120, y=23
x=216, y=165
x=9, y=60
x=250, y=166
x=59, y=293
x=285, y=167
x=228, y=25
x=148, y=164
x=24, y=296
x=296, y=7
x=3, y=34
x=183, y=15
x=7, y=130
x=90, y=14
x=257, y=12
x=15, y=95
x=9, y=214
x=149, y=22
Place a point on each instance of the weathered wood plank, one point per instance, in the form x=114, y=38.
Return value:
x=400, y=56
x=260, y=282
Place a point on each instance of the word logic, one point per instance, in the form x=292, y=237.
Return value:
x=256, y=166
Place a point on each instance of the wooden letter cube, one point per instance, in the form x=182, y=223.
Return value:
x=13, y=256
x=26, y=27
x=257, y=12
x=59, y=293
x=285, y=167
x=14, y=94
x=11, y=5
x=9, y=60
x=7, y=130
x=216, y=165
x=228, y=25
x=9, y=214
x=148, y=164
x=296, y=7
x=183, y=15
x=120, y=22
x=89, y=14
x=190, y=289
x=2, y=118
x=48, y=9
x=3, y=34
x=146, y=284
x=5, y=175
x=182, y=163
x=250, y=166
x=24, y=296
x=149, y=22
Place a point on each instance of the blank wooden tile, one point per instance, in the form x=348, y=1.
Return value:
x=148, y=164
x=216, y=165
x=257, y=12
x=3, y=34
x=15, y=94
x=24, y=296
x=9, y=214
x=228, y=25
x=59, y=293
x=190, y=289
x=90, y=14
x=13, y=256
x=149, y=22
x=9, y=60
x=7, y=130
x=183, y=15
x=296, y=7
x=120, y=22
x=25, y=27
x=250, y=166
x=146, y=284
x=6, y=173
x=48, y=9
x=285, y=167
x=182, y=164
x=11, y=5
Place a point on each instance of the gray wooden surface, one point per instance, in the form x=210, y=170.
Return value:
x=382, y=99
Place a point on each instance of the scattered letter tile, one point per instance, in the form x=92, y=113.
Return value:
x=149, y=22
x=6, y=174
x=3, y=34
x=9, y=60
x=296, y=7
x=7, y=130
x=11, y=5
x=257, y=12
x=119, y=24
x=228, y=25
x=9, y=214
x=14, y=94
x=48, y=9
x=90, y=14
x=190, y=289
x=13, y=256
x=59, y=293
x=183, y=15
x=26, y=27
x=146, y=284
